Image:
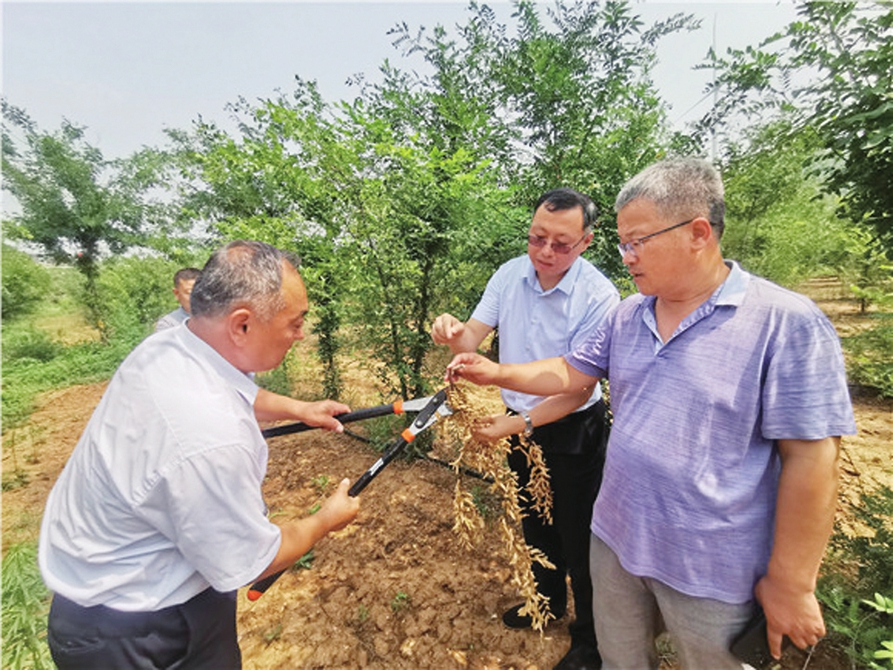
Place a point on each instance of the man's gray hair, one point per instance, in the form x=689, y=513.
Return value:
x=680, y=188
x=244, y=273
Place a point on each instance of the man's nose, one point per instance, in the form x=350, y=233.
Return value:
x=547, y=249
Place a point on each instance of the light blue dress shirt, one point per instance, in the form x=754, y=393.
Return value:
x=534, y=324
x=172, y=319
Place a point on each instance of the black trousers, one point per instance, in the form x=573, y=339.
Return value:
x=574, y=452
x=200, y=634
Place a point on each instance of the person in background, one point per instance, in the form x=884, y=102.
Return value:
x=729, y=398
x=158, y=516
x=544, y=303
x=184, y=280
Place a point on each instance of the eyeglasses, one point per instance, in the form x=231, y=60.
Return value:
x=632, y=247
x=558, y=247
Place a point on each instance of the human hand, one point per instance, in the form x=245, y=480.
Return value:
x=789, y=612
x=446, y=328
x=475, y=368
x=322, y=412
x=339, y=509
x=494, y=428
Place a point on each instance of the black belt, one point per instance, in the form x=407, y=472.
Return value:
x=578, y=433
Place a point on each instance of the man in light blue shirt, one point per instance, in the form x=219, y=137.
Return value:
x=544, y=304
x=729, y=397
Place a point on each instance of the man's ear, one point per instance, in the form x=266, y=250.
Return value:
x=585, y=242
x=237, y=323
x=701, y=231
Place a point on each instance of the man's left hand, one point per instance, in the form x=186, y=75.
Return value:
x=790, y=613
x=322, y=412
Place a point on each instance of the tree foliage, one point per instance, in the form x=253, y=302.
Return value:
x=831, y=71
x=779, y=225
x=282, y=180
x=69, y=205
x=403, y=201
x=566, y=92
x=24, y=283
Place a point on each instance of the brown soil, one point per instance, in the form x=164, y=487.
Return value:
x=394, y=590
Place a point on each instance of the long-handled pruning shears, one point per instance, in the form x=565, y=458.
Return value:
x=429, y=410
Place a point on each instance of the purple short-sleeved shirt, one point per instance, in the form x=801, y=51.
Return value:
x=691, y=476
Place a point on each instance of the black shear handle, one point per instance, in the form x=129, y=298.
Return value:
x=358, y=415
x=260, y=587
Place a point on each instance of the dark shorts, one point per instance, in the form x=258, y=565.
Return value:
x=199, y=634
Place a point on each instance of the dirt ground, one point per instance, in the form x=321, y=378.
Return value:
x=393, y=590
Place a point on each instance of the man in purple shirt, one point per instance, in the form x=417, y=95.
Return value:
x=729, y=397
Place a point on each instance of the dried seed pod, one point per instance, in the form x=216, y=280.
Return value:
x=490, y=461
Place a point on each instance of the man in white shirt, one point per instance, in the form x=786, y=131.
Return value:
x=158, y=516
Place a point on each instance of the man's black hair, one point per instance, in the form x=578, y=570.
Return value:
x=560, y=199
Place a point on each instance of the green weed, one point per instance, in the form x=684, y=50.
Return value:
x=273, y=634
x=305, y=562
x=400, y=602
x=15, y=480
x=858, y=566
x=883, y=605
x=869, y=357
x=321, y=483
x=25, y=607
x=486, y=501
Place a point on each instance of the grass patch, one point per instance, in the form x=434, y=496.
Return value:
x=24, y=377
x=25, y=607
x=870, y=356
x=856, y=574
x=54, y=348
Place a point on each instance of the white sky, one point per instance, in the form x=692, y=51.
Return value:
x=127, y=70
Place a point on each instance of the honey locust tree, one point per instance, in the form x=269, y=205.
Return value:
x=278, y=179
x=73, y=203
x=502, y=112
x=432, y=171
x=830, y=71
x=417, y=229
x=570, y=85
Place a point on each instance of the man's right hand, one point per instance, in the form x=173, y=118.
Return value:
x=475, y=368
x=446, y=329
x=339, y=509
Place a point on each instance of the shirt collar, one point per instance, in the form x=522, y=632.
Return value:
x=566, y=284
x=243, y=383
x=734, y=287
